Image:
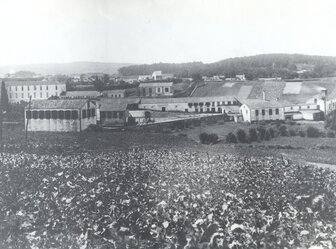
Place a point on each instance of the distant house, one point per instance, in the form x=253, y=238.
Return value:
x=23, y=90
x=158, y=75
x=261, y=110
x=156, y=89
x=118, y=93
x=60, y=115
x=142, y=78
x=130, y=79
x=115, y=111
x=81, y=95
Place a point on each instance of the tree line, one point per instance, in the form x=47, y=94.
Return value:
x=259, y=66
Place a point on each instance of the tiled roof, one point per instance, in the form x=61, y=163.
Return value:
x=155, y=84
x=58, y=104
x=186, y=99
x=108, y=104
x=257, y=104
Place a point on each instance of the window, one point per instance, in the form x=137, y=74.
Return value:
x=166, y=89
x=47, y=88
x=88, y=113
x=270, y=111
x=41, y=87
x=218, y=103
x=22, y=88
x=28, y=88
x=119, y=95
x=67, y=115
x=121, y=114
x=315, y=101
x=114, y=115
x=277, y=111
x=16, y=88
x=34, y=87
x=109, y=114
x=47, y=114
x=158, y=89
x=308, y=107
x=83, y=113
x=263, y=112
x=74, y=114
x=257, y=112
x=93, y=112
x=61, y=114
x=41, y=114
x=196, y=109
x=56, y=87
x=229, y=102
x=35, y=114
x=28, y=114
x=102, y=114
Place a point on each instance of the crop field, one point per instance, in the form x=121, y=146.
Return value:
x=144, y=190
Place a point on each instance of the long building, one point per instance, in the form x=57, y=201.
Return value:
x=22, y=90
x=60, y=115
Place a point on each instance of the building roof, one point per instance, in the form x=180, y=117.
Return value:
x=186, y=100
x=155, y=84
x=32, y=83
x=58, y=104
x=115, y=91
x=258, y=104
x=108, y=104
x=82, y=94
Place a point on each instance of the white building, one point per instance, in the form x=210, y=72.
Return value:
x=60, y=115
x=22, y=90
x=118, y=93
x=261, y=110
x=191, y=104
x=156, y=89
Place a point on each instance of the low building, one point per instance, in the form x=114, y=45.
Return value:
x=115, y=112
x=118, y=93
x=156, y=89
x=261, y=110
x=22, y=90
x=60, y=115
x=81, y=95
x=141, y=116
x=190, y=104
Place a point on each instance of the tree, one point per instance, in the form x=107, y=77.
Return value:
x=253, y=135
x=4, y=97
x=98, y=84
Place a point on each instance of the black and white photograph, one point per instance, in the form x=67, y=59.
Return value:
x=167, y=124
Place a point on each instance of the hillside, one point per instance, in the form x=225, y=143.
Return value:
x=66, y=68
x=259, y=66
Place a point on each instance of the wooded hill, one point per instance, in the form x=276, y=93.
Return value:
x=259, y=66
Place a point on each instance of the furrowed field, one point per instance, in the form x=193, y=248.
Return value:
x=138, y=190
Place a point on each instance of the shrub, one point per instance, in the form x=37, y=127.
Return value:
x=302, y=133
x=271, y=132
x=267, y=135
x=283, y=131
x=206, y=138
x=261, y=132
x=292, y=132
x=253, y=135
x=131, y=121
x=231, y=138
x=330, y=134
x=313, y=132
x=241, y=136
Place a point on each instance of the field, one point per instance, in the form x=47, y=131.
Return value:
x=151, y=190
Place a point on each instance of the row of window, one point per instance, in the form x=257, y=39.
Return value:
x=158, y=90
x=30, y=88
x=270, y=112
x=213, y=103
x=111, y=114
x=68, y=115
x=34, y=95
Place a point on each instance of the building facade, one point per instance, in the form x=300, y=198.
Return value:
x=36, y=90
x=115, y=93
x=60, y=115
x=190, y=104
x=156, y=89
x=261, y=110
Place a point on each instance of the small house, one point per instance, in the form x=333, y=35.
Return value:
x=254, y=110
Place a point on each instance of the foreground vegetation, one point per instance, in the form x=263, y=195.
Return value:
x=68, y=191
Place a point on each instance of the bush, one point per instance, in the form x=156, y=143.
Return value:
x=206, y=138
x=131, y=121
x=271, y=132
x=241, y=136
x=330, y=134
x=267, y=135
x=253, y=135
x=312, y=132
x=283, y=131
x=231, y=138
x=292, y=132
x=261, y=132
x=302, y=133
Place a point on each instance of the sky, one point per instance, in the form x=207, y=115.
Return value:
x=150, y=31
